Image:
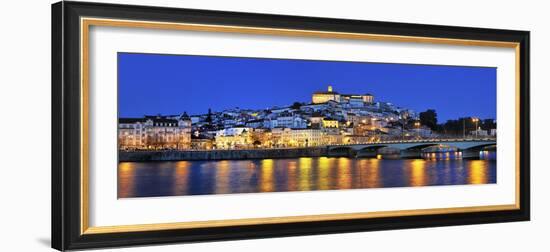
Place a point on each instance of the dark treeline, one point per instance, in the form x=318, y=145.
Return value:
x=454, y=127
x=467, y=124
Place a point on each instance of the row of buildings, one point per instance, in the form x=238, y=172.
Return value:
x=330, y=118
x=155, y=132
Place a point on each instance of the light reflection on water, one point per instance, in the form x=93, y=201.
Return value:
x=147, y=179
x=418, y=172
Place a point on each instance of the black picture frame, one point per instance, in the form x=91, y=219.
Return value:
x=66, y=114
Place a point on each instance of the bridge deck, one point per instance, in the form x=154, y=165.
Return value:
x=462, y=144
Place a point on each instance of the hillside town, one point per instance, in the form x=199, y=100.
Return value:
x=330, y=118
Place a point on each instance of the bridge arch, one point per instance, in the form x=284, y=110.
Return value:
x=372, y=147
x=480, y=146
x=340, y=151
x=369, y=151
x=473, y=152
x=421, y=146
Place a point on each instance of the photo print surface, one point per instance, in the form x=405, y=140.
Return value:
x=198, y=125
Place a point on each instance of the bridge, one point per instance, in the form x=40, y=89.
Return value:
x=470, y=148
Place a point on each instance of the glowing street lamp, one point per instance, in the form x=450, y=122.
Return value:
x=417, y=126
x=475, y=120
x=373, y=127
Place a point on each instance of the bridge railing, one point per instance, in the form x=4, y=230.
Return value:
x=423, y=140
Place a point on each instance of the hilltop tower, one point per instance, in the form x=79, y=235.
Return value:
x=355, y=100
x=322, y=97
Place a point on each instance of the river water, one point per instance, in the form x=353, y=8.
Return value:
x=149, y=179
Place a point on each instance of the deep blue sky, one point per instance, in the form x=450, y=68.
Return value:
x=172, y=84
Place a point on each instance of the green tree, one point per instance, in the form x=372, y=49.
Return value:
x=296, y=105
x=488, y=124
x=429, y=118
x=209, y=116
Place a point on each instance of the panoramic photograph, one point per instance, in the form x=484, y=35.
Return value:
x=202, y=125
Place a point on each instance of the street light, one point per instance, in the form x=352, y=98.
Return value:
x=417, y=125
x=402, y=121
x=373, y=127
x=464, y=128
x=475, y=120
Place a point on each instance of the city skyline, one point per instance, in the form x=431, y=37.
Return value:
x=220, y=83
x=342, y=138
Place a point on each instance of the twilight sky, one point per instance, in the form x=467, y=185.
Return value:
x=171, y=84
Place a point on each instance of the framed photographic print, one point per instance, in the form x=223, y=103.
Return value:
x=180, y=125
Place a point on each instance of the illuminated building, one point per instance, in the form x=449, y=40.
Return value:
x=363, y=129
x=241, y=141
x=354, y=100
x=243, y=138
x=261, y=138
x=201, y=143
x=154, y=132
x=323, y=97
x=234, y=138
x=330, y=123
x=280, y=137
x=232, y=131
x=332, y=137
x=287, y=120
x=286, y=137
x=256, y=123
x=315, y=120
x=305, y=137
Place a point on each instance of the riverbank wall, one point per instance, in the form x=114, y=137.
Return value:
x=172, y=155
